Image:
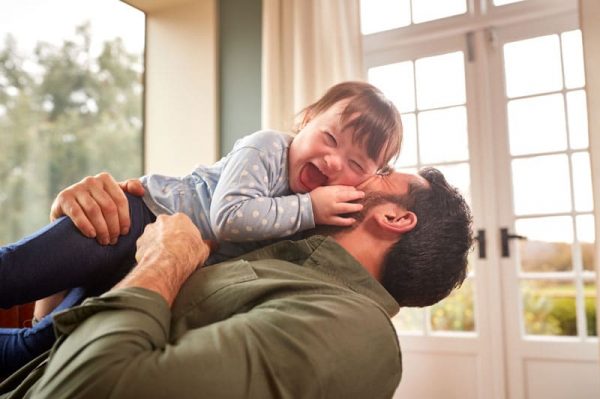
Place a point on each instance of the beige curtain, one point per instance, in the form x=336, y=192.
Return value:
x=308, y=45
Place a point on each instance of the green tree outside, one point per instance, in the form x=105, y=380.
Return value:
x=65, y=113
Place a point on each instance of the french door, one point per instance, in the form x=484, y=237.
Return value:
x=500, y=108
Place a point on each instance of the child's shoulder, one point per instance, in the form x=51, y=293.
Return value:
x=266, y=139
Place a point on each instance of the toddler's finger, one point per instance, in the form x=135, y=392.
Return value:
x=348, y=207
x=350, y=195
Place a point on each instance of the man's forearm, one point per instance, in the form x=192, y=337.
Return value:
x=168, y=252
x=158, y=274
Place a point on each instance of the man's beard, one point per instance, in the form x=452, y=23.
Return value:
x=370, y=201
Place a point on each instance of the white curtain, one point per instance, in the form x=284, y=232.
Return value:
x=308, y=46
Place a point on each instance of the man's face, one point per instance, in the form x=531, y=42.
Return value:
x=323, y=154
x=377, y=188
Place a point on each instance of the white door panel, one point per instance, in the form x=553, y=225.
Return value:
x=501, y=110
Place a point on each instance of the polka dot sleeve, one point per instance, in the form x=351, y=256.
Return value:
x=252, y=200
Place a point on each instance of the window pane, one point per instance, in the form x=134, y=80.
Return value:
x=578, y=121
x=456, y=312
x=409, y=320
x=380, y=15
x=458, y=175
x=440, y=80
x=70, y=109
x=443, y=135
x=573, y=59
x=541, y=185
x=428, y=10
x=408, y=154
x=590, y=293
x=548, y=244
x=582, y=181
x=537, y=125
x=549, y=308
x=397, y=82
x=532, y=66
x=586, y=237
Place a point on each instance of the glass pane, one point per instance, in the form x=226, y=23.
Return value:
x=549, y=307
x=443, y=135
x=541, y=185
x=70, y=109
x=586, y=237
x=532, y=66
x=503, y=2
x=456, y=312
x=582, y=182
x=573, y=59
x=548, y=247
x=380, y=15
x=578, y=121
x=428, y=10
x=408, y=154
x=458, y=175
x=409, y=320
x=397, y=82
x=440, y=80
x=590, y=293
x=537, y=125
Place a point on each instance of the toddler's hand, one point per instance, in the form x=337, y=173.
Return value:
x=329, y=202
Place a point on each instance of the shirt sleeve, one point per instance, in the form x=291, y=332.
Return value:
x=244, y=206
x=118, y=347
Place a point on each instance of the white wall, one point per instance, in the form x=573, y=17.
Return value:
x=181, y=84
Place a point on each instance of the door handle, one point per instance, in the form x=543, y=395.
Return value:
x=504, y=237
x=481, y=243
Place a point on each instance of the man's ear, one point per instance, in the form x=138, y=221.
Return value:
x=396, y=220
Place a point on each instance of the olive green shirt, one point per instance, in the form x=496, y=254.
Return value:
x=293, y=320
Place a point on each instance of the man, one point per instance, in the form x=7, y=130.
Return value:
x=295, y=319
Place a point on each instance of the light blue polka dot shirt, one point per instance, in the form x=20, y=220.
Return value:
x=245, y=196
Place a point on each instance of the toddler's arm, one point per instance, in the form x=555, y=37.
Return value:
x=247, y=203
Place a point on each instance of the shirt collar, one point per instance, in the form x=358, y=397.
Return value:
x=328, y=257
x=331, y=258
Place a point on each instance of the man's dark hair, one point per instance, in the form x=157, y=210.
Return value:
x=429, y=261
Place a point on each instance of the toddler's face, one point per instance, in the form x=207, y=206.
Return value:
x=322, y=154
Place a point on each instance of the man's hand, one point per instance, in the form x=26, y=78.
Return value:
x=167, y=253
x=98, y=206
x=328, y=202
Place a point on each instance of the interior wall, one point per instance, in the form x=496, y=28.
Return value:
x=589, y=17
x=240, y=23
x=180, y=115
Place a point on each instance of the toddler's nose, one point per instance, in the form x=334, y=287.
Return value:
x=333, y=162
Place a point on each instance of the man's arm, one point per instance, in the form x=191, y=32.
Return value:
x=167, y=253
x=98, y=206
